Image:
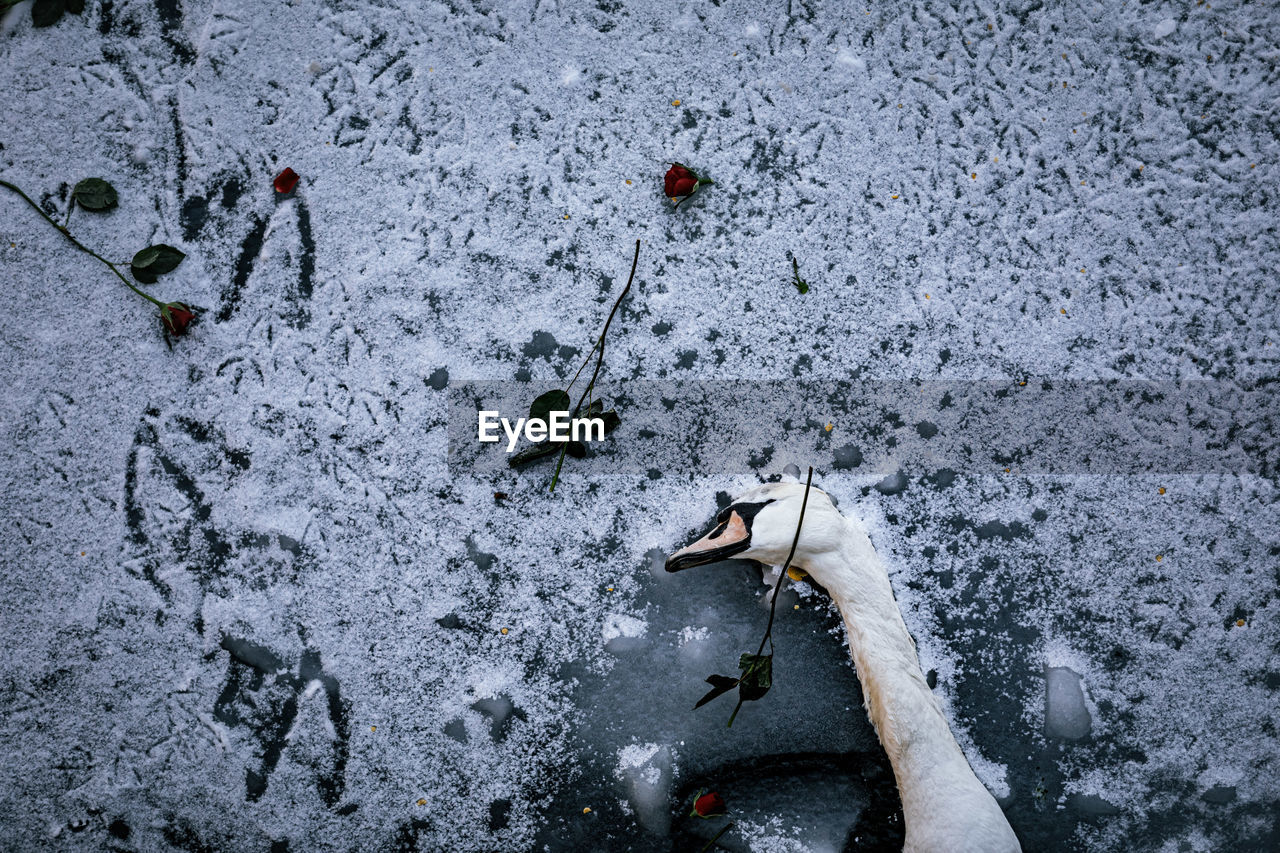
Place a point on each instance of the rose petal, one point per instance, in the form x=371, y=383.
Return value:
x=285, y=181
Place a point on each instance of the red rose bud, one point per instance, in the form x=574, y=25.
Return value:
x=710, y=804
x=679, y=181
x=175, y=317
x=285, y=181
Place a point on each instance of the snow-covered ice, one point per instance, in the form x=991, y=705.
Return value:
x=1065, y=714
x=253, y=599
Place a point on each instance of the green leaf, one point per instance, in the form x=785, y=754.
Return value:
x=545, y=404
x=95, y=194
x=720, y=685
x=757, y=676
x=75, y=7
x=610, y=418
x=155, y=260
x=576, y=449
x=45, y=13
x=801, y=284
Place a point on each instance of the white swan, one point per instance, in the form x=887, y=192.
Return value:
x=944, y=806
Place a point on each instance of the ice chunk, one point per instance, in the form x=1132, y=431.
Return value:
x=892, y=484
x=689, y=635
x=851, y=60
x=622, y=632
x=646, y=771
x=1065, y=714
x=656, y=559
x=1165, y=27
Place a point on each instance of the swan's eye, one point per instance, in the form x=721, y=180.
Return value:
x=745, y=511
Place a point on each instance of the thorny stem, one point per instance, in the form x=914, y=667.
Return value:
x=773, y=605
x=728, y=826
x=81, y=246
x=599, y=350
x=734, y=715
x=782, y=576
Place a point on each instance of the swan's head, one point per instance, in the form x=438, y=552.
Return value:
x=760, y=525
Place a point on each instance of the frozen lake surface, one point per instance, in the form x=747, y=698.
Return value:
x=256, y=596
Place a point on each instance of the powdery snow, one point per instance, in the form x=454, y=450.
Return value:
x=252, y=601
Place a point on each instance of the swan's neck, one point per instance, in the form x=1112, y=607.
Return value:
x=940, y=793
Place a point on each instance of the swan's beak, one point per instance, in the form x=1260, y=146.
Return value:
x=729, y=537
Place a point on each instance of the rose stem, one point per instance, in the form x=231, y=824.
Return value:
x=599, y=347
x=773, y=604
x=716, y=837
x=82, y=247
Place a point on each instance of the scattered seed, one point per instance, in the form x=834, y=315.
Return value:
x=586, y=809
x=676, y=102
x=893, y=196
x=628, y=182
x=422, y=802
x=1239, y=623
x=830, y=427
x=1160, y=491
x=1159, y=558
x=1062, y=310
x=504, y=631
